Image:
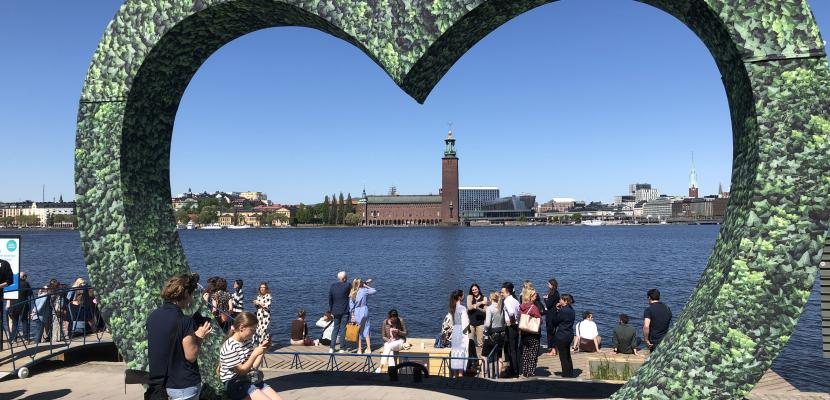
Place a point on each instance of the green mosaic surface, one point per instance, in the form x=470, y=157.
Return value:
x=756, y=282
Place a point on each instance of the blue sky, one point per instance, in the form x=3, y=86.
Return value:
x=573, y=99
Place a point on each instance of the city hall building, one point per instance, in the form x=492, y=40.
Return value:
x=441, y=209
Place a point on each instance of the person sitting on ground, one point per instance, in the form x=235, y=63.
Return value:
x=238, y=358
x=587, y=337
x=625, y=337
x=299, y=331
x=326, y=323
x=394, y=337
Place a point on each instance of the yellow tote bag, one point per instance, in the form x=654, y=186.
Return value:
x=351, y=331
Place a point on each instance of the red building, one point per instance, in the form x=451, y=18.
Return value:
x=418, y=209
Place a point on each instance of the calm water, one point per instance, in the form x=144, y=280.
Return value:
x=607, y=269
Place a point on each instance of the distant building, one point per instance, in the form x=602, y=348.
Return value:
x=254, y=196
x=400, y=210
x=658, y=209
x=471, y=198
x=506, y=209
x=634, y=187
x=42, y=211
x=226, y=219
x=692, y=208
x=430, y=209
x=648, y=194
x=557, y=204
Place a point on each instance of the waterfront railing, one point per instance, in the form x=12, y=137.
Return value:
x=42, y=326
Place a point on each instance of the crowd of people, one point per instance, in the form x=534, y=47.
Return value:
x=54, y=312
x=503, y=328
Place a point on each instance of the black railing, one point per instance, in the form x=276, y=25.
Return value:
x=49, y=322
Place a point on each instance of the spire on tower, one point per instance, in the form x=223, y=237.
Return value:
x=693, y=174
x=449, y=149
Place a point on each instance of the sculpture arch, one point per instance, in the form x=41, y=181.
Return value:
x=755, y=284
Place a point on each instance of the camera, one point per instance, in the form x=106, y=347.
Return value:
x=199, y=320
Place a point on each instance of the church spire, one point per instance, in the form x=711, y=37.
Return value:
x=693, y=190
x=693, y=174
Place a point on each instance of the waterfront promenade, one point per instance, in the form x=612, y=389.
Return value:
x=105, y=380
x=97, y=379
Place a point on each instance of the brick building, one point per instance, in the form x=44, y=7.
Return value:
x=441, y=209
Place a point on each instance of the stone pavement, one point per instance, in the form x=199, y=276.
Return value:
x=104, y=380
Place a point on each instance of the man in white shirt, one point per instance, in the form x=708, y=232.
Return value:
x=587, y=337
x=510, y=308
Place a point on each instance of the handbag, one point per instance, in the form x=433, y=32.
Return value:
x=529, y=323
x=352, y=332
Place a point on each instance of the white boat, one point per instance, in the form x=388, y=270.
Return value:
x=212, y=226
x=181, y=226
x=592, y=222
x=191, y=225
x=239, y=227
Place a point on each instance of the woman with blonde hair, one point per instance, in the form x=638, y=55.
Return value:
x=358, y=304
x=530, y=339
x=239, y=360
x=494, y=331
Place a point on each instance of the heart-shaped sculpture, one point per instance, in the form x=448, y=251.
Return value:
x=756, y=282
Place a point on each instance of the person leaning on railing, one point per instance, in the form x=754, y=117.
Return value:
x=174, y=342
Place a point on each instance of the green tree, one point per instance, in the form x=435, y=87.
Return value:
x=341, y=209
x=521, y=218
x=27, y=220
x=7, y=221
x=182, y=216
x=351, y=219
x=324, y=209
x=577, y=217
x=303, y=214
x=207, y=215
x=349, y=206
x=332, y=216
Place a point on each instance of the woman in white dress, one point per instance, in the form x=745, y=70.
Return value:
x=263, y=312
x=460, y=334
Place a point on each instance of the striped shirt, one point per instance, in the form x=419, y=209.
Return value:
x=238, y=300
x=232, y=354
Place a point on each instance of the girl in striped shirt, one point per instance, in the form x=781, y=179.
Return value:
x=239, y=356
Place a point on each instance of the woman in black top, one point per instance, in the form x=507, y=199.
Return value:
x=565, y=333
x=551, y=301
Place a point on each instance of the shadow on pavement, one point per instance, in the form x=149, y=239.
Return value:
x=51, y=395
x=531, y=388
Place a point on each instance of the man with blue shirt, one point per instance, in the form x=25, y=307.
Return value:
x=339, y=307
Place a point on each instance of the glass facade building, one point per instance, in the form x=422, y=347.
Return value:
x=472, y=198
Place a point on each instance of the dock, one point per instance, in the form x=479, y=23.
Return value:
x=312, y=359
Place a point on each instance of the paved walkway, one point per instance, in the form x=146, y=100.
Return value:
x=104, y=380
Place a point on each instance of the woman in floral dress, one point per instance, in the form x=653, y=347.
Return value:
x=263, y=312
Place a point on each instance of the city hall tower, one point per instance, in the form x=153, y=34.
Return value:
x=449, y=183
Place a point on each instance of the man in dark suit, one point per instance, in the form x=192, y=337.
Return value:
x=6, y=279
x=339, y=307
